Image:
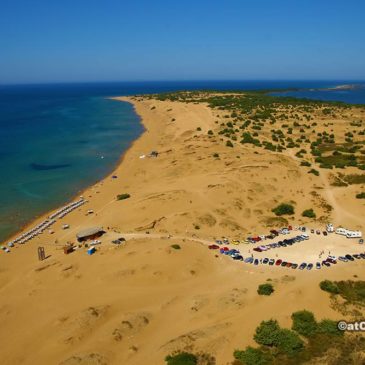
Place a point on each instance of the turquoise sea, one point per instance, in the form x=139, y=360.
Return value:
x=57, y=139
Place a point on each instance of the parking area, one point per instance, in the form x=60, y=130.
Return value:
x=296, y=249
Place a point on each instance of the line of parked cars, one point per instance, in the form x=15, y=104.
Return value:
x=330, y=260
x=283, y=243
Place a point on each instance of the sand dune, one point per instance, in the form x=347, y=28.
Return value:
x=136, y=303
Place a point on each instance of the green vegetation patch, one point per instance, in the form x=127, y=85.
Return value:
x=123, y=196
x=176, y=246
x=353, y=178
x=283, y=209
x=352, y=291
x=282, y=346
x=182, y=358
x=265, y=289
x=309, y=213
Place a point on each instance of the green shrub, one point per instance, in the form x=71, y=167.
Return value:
x=265, y=289
x=314, y=172
x=199, y=129
x=309, y=213
x=123, y=196
x=329, y=327
x=289, y=342
x=305, y=163
x=329, y=286
x=229, y=144
x=283, y=209
x=182, y=358
x=268, y=333
x=216, y=155
x=176, y=246
x=252, y=356
x=210, y=132
x=360, y=195
x=304, y=323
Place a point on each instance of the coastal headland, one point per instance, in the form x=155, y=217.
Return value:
x=224, y=161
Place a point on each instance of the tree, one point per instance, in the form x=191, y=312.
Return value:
x=229, y=144
x=289, y=342
x=283, y=209
x=267, y=333
x=304, y=323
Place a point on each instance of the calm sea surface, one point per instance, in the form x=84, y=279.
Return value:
x=57, y=139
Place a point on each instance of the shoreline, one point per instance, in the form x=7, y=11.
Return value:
x=83, y=191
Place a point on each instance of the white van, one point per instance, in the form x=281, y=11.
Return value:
x=342, y=231
x=354, y=234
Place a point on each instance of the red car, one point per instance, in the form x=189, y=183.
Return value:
x=290, y=228
x=278, y=262
x=213, y=247
x=225, y=249
x=288, y=264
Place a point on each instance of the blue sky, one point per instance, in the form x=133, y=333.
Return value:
x=110, y=40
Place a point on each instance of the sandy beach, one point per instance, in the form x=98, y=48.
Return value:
x=138, y=302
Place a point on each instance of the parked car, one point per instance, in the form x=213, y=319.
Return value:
x=312, y=230
x=362, y=255
x=325, y=263
x=324, y=233
x=302, y=266
x=249, y=260
x=310, y=267
x=318, y=265
x=342, y=258
x=294, y=266
x=278, y=262
x=356, y=256
x=349, y=257
x=271, y=262
x=265, y=260
x=256, y=262
x=283, y=264
x=257, y=249
x=288, y=264
x=237, y=257
x=318, y=231
x=213, y=247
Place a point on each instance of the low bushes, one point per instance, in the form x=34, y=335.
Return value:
x=285, y=347
x=283, y=208
x=182, y=358
x=123, y=196
x=329, y=286
x=265, y=289
x=309, y=213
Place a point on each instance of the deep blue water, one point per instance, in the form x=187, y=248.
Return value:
x=53, y=137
